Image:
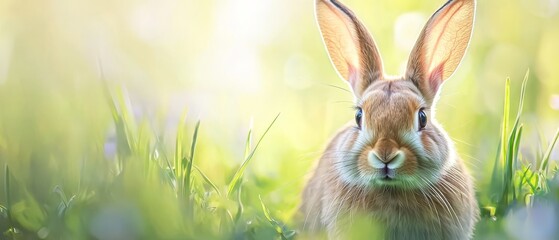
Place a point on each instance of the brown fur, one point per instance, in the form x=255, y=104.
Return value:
x=423, y=190
x=443, y=209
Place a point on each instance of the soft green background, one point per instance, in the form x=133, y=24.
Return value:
x=234, y=65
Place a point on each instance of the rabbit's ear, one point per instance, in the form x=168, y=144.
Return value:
x=441, y=46
x=351, y=48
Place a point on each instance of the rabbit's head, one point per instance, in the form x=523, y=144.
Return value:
x=396, y=141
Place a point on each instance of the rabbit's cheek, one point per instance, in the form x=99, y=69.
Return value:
x=409, y=167
x=363, y=164
x=436, y=146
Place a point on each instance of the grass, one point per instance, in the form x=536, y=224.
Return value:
x=149, y=191
x=517, y=180
x=202, y=210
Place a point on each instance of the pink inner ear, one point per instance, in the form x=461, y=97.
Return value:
x=436, y=77
x=352, y=77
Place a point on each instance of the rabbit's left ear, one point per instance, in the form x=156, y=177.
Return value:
x=351, y=48
x=441, y=46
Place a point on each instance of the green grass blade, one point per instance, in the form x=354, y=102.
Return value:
x=226, y=218
x=248, y=143
x=233, y=184
x=186, y=178
x=272, y=221
x=545, y=160
x=58, y=190
x=144, y=148
x=514, y=165
x=516, y=133
x=490, y=211
x=182, y=178
x=513, y=137
x=504, y=129
x=497, y=175
x=523, y=178
x=511, y=163
x=508, y=180
x=179, y=151
x=533, y=183
x=248, y=147
x=188, y=172
x=126, y=123
x=240, y=207
x=266, y=211
x=509, y=151
x=172, y=176
x=500, y=169
x=207, y=180
x=514, y=140
x=123, y=145
x=522, y=95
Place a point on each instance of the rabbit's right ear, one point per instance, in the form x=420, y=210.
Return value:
x=351, y=48
x=441, y=46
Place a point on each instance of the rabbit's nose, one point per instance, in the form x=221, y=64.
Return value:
x=391, y=161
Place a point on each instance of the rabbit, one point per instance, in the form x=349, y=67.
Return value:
x=395, y=164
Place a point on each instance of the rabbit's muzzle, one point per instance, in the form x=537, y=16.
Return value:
x=386, y=157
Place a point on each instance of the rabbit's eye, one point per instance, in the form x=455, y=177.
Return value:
x=422, y=117
x=358, y=116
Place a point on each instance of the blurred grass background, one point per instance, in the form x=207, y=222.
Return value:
x=69, y=70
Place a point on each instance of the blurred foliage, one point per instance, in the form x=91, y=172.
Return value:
x=83, y=159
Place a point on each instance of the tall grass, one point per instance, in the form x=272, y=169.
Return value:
x=516, y=179
x=142, y=167
x=154, y=190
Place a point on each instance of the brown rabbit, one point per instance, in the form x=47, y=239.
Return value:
x=396, y=164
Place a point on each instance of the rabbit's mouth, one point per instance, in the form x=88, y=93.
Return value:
x=387, y=174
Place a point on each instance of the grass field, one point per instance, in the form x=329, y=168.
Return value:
x=187, y=120
x=137, y=185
